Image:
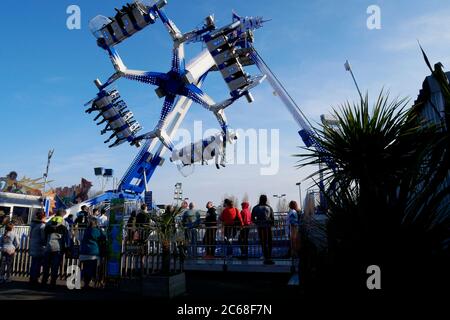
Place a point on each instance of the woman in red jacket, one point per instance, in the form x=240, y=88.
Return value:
x=246, y=217
x=231, y=219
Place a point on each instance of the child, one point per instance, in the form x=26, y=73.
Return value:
x=9, y=244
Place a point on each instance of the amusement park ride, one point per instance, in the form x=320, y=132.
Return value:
x=228, y=50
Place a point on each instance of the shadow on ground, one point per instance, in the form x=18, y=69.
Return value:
x=201, y=287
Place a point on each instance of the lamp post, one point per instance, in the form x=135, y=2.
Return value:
x=104, y=175
x=46, y=202
x=178, y=194
x=327, y=121
x=49, y=158
x=349, y=69
x=299, y=184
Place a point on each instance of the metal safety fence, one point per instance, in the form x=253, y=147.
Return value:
x=141, y=251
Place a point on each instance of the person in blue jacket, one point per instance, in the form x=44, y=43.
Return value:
x=91, y=250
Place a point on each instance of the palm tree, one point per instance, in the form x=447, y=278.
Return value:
x=385, y=191
x=165, y=228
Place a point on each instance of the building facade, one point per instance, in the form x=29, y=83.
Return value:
x=433, y=110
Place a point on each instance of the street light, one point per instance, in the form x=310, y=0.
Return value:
x=104, y=175
x=299, y=184
x=329, y=121
x=178, y=193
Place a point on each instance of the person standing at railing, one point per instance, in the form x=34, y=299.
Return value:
x=57, y=237
x=3, y=220
x=132, y=233
x=231, y=220
x=37, y=246
x=9, y=244
x=211, y=230
x=184, y=205
x=102, y=219
x=191, y=220
x=82, y=216
x=246, y=217
x=143, y=217
x=69, y=221
x=143, y=221
x=94, y=213
x=91, y=247
x=263, y=217
x=293, y=222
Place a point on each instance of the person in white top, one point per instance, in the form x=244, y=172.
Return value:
x=102, y=219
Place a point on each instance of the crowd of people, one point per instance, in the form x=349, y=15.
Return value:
x=236, y=226
x=51, y=239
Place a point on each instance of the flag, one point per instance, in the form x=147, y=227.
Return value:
x=347, y=66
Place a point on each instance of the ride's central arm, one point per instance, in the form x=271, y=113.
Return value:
x=306, y=132
x=151, y=153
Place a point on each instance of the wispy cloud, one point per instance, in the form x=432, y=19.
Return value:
x=54, y=79
x=431, y=29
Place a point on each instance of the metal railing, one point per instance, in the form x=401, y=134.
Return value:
x=242, y=241
x=141, y=249
x=22, y=259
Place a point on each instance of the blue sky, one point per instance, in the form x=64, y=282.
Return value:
x=47, y=74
